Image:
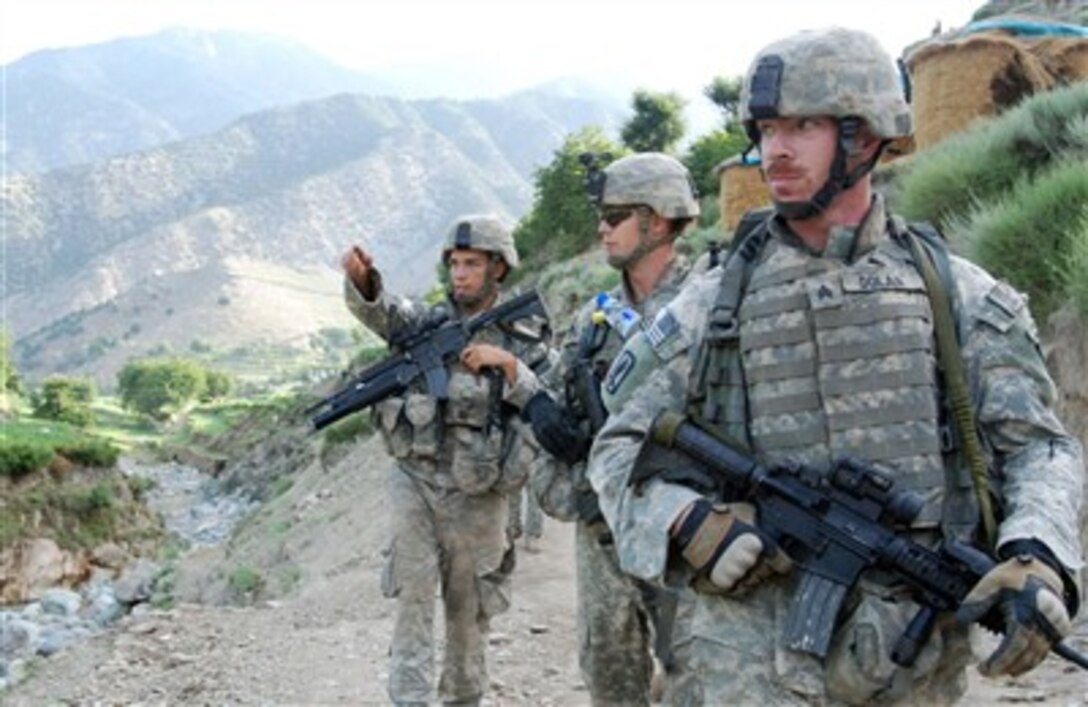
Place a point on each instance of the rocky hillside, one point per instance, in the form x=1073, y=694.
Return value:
x=94, y=251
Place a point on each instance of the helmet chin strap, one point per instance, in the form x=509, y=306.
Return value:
x=838, y=180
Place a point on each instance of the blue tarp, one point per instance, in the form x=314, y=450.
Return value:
x=1026, y=28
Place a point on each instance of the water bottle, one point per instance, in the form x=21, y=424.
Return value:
x=618, y=316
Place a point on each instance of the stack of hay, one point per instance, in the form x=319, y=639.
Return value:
x=987, y=67
x=742, y=188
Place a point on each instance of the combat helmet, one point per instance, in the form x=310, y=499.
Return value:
x=654, y=179
x=835, y=71
x=838, y=72
x=482, y=232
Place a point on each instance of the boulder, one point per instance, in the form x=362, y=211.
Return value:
x=29, y=567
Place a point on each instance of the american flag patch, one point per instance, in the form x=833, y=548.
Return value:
x=664, y=327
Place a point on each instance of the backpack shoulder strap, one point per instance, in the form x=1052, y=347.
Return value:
x=750, y=221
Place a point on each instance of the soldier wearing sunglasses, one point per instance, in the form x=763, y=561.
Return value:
x=645, y=201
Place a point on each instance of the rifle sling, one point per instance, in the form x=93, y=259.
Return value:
x=955, y=381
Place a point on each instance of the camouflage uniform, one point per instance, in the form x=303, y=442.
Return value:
x=614, y=634
x=532, y=525
x=617, y=615
x=448, y=500
x=835, y=356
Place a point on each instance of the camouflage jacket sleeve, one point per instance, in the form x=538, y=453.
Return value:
x=385, y=313
x=1037, y=468
x=640, y=518
x=536, y=363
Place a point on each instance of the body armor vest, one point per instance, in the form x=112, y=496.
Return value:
x=466, y=442
x=813, y=359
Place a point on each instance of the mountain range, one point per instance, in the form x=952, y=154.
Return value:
x=143, y=241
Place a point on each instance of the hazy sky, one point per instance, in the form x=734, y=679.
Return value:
x=668, y=44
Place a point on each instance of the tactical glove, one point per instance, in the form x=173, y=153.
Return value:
x=730, y=554
x=553, y=429
x=1028, y=594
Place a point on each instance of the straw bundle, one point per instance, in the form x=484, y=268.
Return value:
x=957, y=81
x=1065, y=57
x=742, y=188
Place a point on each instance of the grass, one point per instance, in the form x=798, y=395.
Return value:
x=1011, y=193
x=1078, y=272
x=125, y=428
x=77, y=510
x=245, y=582
x=989, y=160
x=40, y=431
x=1028, y=235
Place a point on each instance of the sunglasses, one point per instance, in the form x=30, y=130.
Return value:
x=615, y=215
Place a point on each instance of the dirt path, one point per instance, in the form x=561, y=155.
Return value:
x=326, y=648
x=328, y=643
x=330, y=650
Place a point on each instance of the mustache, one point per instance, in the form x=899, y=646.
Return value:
x=783, y=170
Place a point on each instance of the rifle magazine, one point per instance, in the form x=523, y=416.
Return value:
x=811, y=618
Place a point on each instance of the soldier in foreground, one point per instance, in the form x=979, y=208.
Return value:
x=456, y=461
x=645, y=201
x=817, y=340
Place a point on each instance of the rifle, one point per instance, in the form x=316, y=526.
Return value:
x=583, y=385
x=834, y=526
x=423, y=353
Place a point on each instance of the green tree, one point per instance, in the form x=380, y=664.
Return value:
x=65, y=399
x=217, y=384
x=562, y=222
x=707, y=152
x=724, y=92
x=658, y=122
x=155, y=387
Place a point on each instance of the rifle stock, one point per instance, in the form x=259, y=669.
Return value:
x=426, y=354
x=835, y=526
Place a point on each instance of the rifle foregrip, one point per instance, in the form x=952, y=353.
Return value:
x=914, y=637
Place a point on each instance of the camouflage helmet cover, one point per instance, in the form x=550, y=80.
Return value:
x=835, y=71
x=654, y=179
x=482, y=232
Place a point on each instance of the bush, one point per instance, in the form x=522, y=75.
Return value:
x=93, y=452
x=217, y=385
x=1028, y=237
x=245, y=581
x=17, y=459
x=155, y=386
x=1077, y=272
x=1012, y=194
x=990, y=159
x=86, y=502
x=140, y=486
x=65, y=399
x=366, y=357
x=350, y=428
